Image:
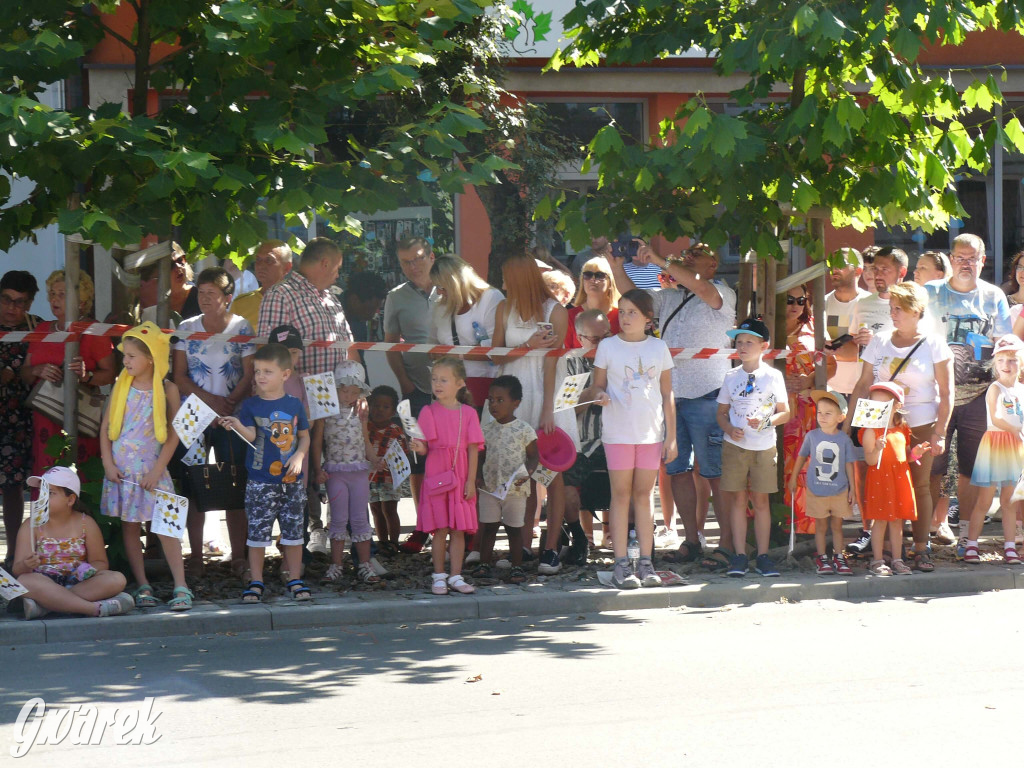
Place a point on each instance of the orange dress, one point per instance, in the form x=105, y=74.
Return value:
x=888, y=490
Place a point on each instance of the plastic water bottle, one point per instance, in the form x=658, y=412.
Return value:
x=483, y=339
x=633, y=549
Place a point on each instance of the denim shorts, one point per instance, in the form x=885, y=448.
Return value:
x=698, y=436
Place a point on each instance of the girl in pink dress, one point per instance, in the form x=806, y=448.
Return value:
x=452, y=440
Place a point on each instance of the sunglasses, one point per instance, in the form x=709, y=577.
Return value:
x=588, y=275
x=798, y=300
x=592, y=339
x=749, y=389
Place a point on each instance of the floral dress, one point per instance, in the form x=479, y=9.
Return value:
x=799, y=362
x=15, y=416
x=134, y=453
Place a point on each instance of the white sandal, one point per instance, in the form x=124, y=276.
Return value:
x=459, y=584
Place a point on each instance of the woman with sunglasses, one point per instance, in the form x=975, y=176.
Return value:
x=597, y=291
x=799, y=383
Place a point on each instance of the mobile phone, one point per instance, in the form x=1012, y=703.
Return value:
x=839, y=342
x=625, y=247
x=546, y=327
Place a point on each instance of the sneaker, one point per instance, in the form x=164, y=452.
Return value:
x=738, y=566
x=665, y=537
x=840, y=566
x=414, y=544
x=623, y=576
x=366, y=575
x=953, y=515
x=115, y=606
x=378, y=568
x=823, y=566
x=855, y=512
x=549, y=563
x=333, y=575
x=646, y=574
x=318, y=542
x=961, y=547
x=702, y=540
x=472, y=558
x=862, y=544
x=765, y=566
x=944, y=534
x=34, y=610
x=577, y=552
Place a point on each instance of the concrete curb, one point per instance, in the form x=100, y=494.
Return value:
x=534, y=600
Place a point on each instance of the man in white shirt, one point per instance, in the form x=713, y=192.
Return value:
x=839, y=305
x=871, y=313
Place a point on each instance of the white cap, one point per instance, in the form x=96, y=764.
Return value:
x=62, y=477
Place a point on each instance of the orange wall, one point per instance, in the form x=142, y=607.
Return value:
x=987, y=47
x=111, y=51
x=474, y=230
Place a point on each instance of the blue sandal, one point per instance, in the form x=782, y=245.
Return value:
x=182, y=600
x=144, y=598
x=254, y=592
x=300, y=592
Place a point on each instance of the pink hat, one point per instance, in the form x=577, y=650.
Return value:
x=1008, y=343
x=556, y=450
x=891, y=387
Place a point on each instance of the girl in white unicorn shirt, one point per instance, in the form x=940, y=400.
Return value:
x=633, y=377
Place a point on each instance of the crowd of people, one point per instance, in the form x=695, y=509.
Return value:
x=939, y=356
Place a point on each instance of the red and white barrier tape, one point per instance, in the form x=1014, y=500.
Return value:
x=78, y=330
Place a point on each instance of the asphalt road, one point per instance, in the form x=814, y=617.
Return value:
x=918, y=681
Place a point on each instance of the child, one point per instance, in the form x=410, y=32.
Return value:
x=384, y=497
x=829, y=454
x=512, y=443
x=348, y=458
x=137, y=443
x=1001, y=452
x=633, y=383
x=289, y=336
x=67, y=571
x=276, y=424
x=452, y=442
x=888, y=489
x=751, y=404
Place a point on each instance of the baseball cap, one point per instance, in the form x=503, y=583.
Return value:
x=62, y=477
x=1008, y=343
x=891, y=387
x=288, y=335
x=835, y=397
x=753, y=326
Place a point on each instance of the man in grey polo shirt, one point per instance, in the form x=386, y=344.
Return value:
x=407, y=312
x=696, y=317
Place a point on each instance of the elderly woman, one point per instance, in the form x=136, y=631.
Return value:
x=923, y=365
x=93, y=367
x=465, y=316
x=597, y=291
x=17, y=292
x=220, y=374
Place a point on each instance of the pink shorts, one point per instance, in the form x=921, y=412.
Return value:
x=630, y=456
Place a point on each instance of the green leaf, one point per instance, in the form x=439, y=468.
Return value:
x=1014, y=135
x=644, y=180
x=804, y=20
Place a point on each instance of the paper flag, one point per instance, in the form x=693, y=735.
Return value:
x=409, y=423
x=10, y=587
x=41, y=506
x=871, y=414
x=502, y=490
x=543, y=475
x=195, y=455
x=321, y=395
x=191, y=419
x=569, y=393
x=169, y=514
x=397, y=462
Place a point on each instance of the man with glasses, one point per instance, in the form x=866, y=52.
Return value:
x=407, y=318
x=697, y=316
x=971, y=314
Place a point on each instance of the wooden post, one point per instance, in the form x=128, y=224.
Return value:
x=817, y=230
x=71, y=272
x=745, y=289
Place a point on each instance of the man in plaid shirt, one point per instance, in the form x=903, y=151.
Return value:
x=304, y=300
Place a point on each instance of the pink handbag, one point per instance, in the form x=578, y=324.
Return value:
x=447, y=480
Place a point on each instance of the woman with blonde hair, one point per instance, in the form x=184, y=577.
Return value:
x=464, y=316
x=531, y=317
x=93, y=367
x=597, y=291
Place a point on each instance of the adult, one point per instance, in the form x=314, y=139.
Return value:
x=697, y=316
x=1014, y=290
x=971, y=314
x=271, y=261
x=93, y=367
x=845, y=271
x=597, y=291
x=182, y=299
x=17, y=292
x=800, y=367
x=464, y=315
x=560, y=284
x=220, y=374
x=527, y=304
x=407, y=314
x=934, y=265
x=922, y=364
x=303, y=299
x=361, y=300
x=871, y=314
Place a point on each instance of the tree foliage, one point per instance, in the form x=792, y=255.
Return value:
x=862, y=129
x=251, y=87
